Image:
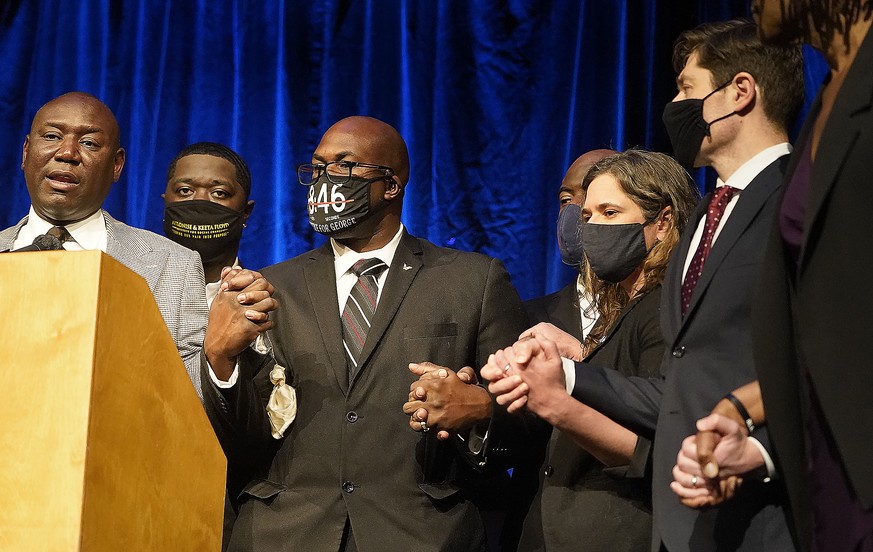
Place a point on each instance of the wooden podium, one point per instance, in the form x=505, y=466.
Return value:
x=104, y=445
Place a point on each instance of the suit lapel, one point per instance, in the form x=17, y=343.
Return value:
x=672, y=298
x=126, y=246
x=563, y=310
x=405, y=266
x=837, y=142
x=7, y=237
x=320, y=278
x=749, y=204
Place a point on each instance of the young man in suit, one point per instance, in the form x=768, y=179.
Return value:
x=206, y=206
x=736, y=99
x=348, y=474
x=812, y=323
x=70, y=159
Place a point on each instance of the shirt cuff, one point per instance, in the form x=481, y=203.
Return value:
x=768, y=461
x=569, y=367
x=231, y=381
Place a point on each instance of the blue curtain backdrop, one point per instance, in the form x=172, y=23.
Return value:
x=495, y=99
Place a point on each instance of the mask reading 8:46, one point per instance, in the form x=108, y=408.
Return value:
x=335, y=207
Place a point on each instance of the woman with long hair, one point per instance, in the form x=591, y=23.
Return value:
x=592, y=497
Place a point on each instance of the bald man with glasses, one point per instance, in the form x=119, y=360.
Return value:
x=348, y=473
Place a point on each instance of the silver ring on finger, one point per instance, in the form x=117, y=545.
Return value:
x=693, y=479
x=424, y=428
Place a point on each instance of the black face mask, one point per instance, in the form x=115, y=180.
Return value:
x=570, y=226
x=614, y=251
x=687, y=127
x=207, y=227
x=334, y=208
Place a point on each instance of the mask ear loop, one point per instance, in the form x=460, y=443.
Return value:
x=731, y=114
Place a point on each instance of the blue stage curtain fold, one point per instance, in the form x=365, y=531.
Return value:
x=494, y=97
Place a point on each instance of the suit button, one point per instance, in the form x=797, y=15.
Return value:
x=549, y=471
x=678, y=352
x=348, y=487
x=352, y=416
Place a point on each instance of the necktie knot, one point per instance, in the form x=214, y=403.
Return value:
x=721, y=197
x=368, y=267
x=60, y=233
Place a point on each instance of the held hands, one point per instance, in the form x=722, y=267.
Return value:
x=568, y=346
x=444, y=400
x=239, y=313
x=709, y=463
x=529, y=374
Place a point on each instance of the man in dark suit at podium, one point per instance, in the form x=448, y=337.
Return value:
x=70, y=159
x=348, y=474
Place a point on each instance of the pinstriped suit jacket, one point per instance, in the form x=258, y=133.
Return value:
x=174, y=275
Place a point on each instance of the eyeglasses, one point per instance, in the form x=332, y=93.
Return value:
x=338, y=172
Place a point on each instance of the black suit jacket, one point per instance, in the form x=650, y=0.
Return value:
x=581, y=504
x=560, y=308
x=709, y=353
x=350, y=453
x=825, y=314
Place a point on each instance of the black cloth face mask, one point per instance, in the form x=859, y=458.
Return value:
x=614, y=251
x=570, y=226
x=334, y=208
x=208, y=228
x=687, y=127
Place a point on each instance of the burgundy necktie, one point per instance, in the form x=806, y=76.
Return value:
x=360, y=308
x=714, y=212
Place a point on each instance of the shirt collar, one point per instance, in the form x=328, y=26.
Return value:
x=89, y=233
x=344, y=257
x=741, y=177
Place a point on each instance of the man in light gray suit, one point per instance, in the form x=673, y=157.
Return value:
x=70, y=159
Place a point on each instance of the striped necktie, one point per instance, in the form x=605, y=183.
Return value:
x=360, y=308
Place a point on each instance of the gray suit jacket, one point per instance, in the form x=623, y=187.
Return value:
x=350, y=453
x=709, y=353
x=173, y=273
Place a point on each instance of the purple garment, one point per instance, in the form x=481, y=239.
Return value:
x=840, y=522
x=793, y=209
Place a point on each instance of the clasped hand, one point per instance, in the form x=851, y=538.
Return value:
x=529, y=373
x=444, y=400
x=239, y=313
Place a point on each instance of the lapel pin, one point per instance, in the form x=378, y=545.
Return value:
x=406, y=267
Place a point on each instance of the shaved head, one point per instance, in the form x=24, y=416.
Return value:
x=571, y=186
x=369, y=140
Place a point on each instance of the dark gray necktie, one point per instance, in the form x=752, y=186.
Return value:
x=360, y=308
x=61, y=234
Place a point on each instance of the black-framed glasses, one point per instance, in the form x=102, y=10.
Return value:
x=338, y=172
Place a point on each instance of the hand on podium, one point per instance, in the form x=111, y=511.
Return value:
x=239, y=313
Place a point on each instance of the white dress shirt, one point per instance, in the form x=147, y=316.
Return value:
x=88, y=234
x=343, y=259
x=740, y=179
x=585, y=299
